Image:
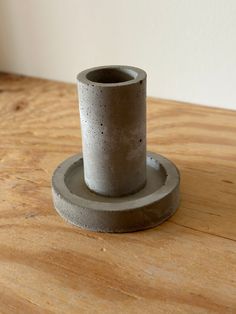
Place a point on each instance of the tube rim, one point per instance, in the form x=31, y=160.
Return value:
x=141, y=76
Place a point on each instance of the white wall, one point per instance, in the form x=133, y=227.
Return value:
x=188, y=47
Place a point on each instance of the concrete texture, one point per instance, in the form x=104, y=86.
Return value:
x=115, y=186
x=153, y=204
x=113, y=123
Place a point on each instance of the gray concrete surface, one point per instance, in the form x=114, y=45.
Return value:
x=115, y=186
x=112, y=102
x=153, y=204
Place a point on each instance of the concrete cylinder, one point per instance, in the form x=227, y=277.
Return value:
x=113, y=124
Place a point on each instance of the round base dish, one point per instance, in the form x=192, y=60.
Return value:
x=149, y=207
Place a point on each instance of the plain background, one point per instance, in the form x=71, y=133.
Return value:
x=187, y=47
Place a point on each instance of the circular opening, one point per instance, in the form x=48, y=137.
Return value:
x=111, y=75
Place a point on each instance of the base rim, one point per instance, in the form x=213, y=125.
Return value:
x=122, y=216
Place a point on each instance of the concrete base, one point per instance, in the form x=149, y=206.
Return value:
x=149, y=207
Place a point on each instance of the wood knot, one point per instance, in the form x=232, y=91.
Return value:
x=227, y=181
x=20, y=105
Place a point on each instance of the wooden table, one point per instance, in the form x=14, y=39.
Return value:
x=186, y=265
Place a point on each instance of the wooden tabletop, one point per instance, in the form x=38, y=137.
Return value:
x=186, y=265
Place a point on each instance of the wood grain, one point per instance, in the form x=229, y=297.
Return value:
x=186, y=265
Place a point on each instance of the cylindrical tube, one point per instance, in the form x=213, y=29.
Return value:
x=113, y=124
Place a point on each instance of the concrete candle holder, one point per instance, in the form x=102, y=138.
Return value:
x=115, y=186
